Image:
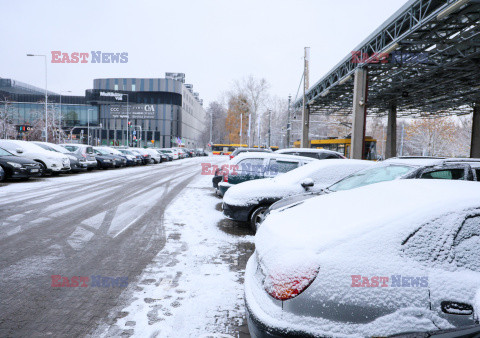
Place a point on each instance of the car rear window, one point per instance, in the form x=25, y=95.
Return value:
x=282, y=166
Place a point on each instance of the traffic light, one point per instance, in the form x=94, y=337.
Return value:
x=129, y=123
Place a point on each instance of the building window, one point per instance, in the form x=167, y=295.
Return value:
x=133, y=87
x=116, y=87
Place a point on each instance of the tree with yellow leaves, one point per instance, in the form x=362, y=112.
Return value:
x=238, y=110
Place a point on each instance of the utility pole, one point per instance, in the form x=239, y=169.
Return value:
x=269, y=127
x=241, y=127
x=289, y=125
x=306, y=112
x=211, y=127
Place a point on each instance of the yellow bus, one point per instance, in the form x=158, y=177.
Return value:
x=226, y=149
x=342, y=145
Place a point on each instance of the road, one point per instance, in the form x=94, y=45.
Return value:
x=104, y=223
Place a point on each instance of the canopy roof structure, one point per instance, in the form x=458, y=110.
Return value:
x=425, y=59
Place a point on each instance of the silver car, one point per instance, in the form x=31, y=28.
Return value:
x=388, y=258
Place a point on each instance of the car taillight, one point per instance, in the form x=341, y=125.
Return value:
x=84, y=156
x=225, y=176
x=284, y=285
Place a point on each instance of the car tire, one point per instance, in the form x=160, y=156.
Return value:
x=257, y=217
x=43, y=168
x=4, y=177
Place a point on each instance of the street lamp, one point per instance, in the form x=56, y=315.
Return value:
x=60, y=116
x=128, y=131
x=46, y=96
x=88, y=125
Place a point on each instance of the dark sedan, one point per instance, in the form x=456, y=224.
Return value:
x=104, y=160
x=18, y=167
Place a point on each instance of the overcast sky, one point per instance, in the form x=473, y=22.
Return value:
x=213, y=42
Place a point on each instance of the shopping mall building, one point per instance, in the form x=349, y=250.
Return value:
x=164, y=112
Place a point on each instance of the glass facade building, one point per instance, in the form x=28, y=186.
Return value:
x=163, y=110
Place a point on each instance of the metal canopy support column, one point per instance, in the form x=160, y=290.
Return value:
x=360, y=91
x=391, y=146
x=475, y=145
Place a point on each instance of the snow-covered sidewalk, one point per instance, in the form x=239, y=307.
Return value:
x=194, y=286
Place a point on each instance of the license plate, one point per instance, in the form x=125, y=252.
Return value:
x=34, y=171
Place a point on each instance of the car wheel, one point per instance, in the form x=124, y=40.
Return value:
x=43, y=168
x=257, y=217
x=4, y=177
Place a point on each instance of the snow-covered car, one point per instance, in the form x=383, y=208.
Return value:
x=397, y=168
x=77, y=162
x=394, y=257
x=320, y=154
x=18, y=167
x=170, y=151
x=85, y=151
x=255, y=165
x=156, y=156
x=248, y=201
x=242, y=150
x=132, y=159
x=146, y=157
x=120, y=158
x=51, y=162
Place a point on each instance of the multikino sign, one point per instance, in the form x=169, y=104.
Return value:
x=117, y=96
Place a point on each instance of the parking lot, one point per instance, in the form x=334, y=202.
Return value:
x=159, y=226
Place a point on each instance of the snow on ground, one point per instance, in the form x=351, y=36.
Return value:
x=194, y=286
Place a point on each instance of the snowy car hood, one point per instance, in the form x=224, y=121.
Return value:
x=251, y=192
x=323, y=172
x=384, y=214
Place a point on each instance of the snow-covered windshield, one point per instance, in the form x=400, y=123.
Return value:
x=102, y=151
x=371, y=176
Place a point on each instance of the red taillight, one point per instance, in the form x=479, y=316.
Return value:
x=286, y=285
x=231, y=156
x=84, y=156
x=225, y=176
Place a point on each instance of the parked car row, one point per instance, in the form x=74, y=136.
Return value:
x=360, y=248
x=24, y=159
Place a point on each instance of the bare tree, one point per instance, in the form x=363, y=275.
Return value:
x=217, y=113
x=7, y=128
x=256, y=92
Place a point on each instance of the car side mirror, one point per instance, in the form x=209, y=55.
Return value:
x=308, y=182
x=19, y=150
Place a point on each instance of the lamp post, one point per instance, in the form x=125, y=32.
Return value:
x=46, y=95
x=88, y=125
x=128, y=142
x=60, y=115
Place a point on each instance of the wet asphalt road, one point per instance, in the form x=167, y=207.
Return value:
x=99, y=223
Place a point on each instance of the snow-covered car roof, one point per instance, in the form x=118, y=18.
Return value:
x=415, y=161
x=311, y=150
x=386, y=212
x=307, y=170
x=274, y=155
